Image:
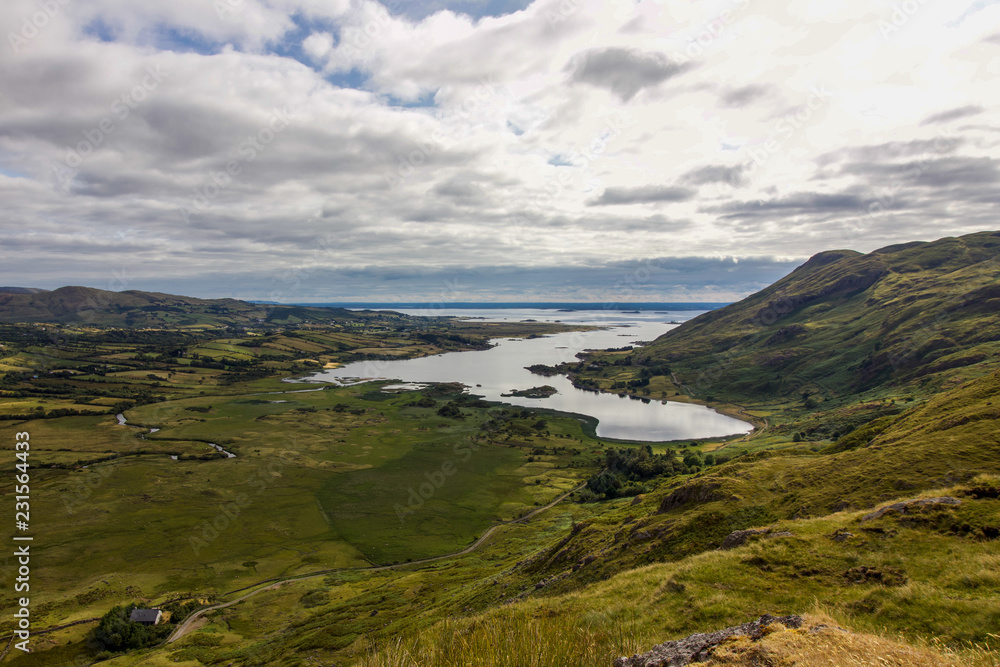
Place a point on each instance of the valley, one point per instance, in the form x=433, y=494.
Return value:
x=866, y=496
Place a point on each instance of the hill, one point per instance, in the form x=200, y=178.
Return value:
x=136, y=309
x=20, y=290
x=844, y=323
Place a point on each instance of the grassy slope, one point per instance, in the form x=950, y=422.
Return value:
x=936, y=568
x=134, y=308
x=910, y=577
x=951, y=439
x=843, y=323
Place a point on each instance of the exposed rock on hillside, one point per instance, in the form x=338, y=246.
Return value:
x=903, y=507
x=738, y=538
x=698, y=647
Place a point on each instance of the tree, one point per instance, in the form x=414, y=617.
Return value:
x=692, y=459
x=117, y=633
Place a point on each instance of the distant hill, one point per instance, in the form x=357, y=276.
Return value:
x=20, y=290
x=86, y=305
x=845, y=322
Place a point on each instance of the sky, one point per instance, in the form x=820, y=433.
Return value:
x=485, y=150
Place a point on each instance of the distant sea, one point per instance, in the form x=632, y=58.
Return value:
x=548, y=305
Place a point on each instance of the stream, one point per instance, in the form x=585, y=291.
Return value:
x=124, y=422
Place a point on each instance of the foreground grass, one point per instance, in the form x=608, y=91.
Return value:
x=519, y=640
x=917, y=579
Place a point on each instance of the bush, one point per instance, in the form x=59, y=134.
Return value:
x=450, y=411
x=314, y=598
x=424, y=402
x=626, y=468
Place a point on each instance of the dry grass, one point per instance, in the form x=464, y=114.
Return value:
x=507, y=640
x=821, y=643
x=524, y=641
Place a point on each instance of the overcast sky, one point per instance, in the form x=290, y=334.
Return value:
x=658, y=150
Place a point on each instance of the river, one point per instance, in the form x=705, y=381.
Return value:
x=499, y=370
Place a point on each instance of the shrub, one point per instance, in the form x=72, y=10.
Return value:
x=116, y=633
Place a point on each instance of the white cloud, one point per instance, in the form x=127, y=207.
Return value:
x=570, y=133
x=318, y=45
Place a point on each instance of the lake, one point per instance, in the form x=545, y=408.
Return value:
x=499, y=370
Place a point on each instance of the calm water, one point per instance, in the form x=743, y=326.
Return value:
x=490, y=373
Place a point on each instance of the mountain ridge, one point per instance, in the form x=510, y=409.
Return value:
x=895, y=314
x=76, y=304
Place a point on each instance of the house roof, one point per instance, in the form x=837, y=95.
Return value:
x=144, y=615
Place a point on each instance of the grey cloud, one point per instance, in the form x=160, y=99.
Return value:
x=940, y=173
x=642, y=195
x=741, y=97
x=649, y=224
x=892, y=150
x=716, y=174
x=624, y=71
x=798, y=204
x=953, y=114
x=459, y=189
x=113, y=185
x=470, y=188
x=652, y=279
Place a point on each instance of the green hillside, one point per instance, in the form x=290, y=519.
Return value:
x=86, y=305
x=843, y=323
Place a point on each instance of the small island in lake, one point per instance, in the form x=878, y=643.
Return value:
x=535, y=392
x=543, y=369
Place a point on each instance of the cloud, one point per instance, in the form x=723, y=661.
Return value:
x=953, y=114
x=459, y=137
x=949, y=172
x=624, y=71
x=797, y=204
x=645, y=194
x=734, y=175
x=743, y=96
x=318, y=45
x=654, y=279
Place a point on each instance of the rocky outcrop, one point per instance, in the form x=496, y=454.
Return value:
x=700, y=492
x=738, y=538
x=698, y=648
x=907, y=505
